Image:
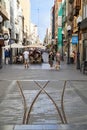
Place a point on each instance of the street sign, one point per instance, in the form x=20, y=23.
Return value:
x=74, y=39
x=6, y=36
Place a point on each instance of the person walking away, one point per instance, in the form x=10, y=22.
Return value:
x=26, y=58
x=51, y=59
x=7, y=55
x=72, y=58
x=57, y=66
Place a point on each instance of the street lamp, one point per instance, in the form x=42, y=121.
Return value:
x=1, y=19
x=62, y=45
x=79, y=20
x=68, y=53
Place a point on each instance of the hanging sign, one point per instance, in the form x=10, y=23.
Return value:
x=59, y=21
x=74, y=39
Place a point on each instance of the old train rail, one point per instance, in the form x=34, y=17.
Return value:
x=27, y=111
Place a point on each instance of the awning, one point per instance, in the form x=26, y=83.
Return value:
x=36, y=46
x=14, y=45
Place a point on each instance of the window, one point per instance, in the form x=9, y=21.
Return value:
x=85, y=10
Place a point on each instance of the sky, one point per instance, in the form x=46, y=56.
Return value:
x=40, y=15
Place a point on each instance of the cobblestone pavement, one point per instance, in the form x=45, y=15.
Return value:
x=44, y=114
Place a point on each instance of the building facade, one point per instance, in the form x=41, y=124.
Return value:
x=27, y=21
x=4, y=16
x=14, y=22
x=71, y=10
x=84, y=30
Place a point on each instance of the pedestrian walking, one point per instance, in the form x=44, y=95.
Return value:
x=72, y=57
x=7, y=56
x=26, y=58
x=58, y=57
x=51, y=58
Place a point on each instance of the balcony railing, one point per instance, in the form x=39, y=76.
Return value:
x=77, y=7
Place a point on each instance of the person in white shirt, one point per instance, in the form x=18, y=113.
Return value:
x=26, y=58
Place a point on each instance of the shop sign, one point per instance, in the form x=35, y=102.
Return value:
x=74, y=39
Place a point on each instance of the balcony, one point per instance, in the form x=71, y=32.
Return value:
x=76, y=11
x=71, y=1
x=3, y=11
x=70, y=16
x=77, y=7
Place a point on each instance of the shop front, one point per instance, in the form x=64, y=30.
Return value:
x=85, y=46
x=85, y=50
x=1, y=44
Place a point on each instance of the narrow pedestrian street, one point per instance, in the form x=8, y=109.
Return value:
x=43, y=65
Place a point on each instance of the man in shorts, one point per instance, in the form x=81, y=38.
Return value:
x=26, y=58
